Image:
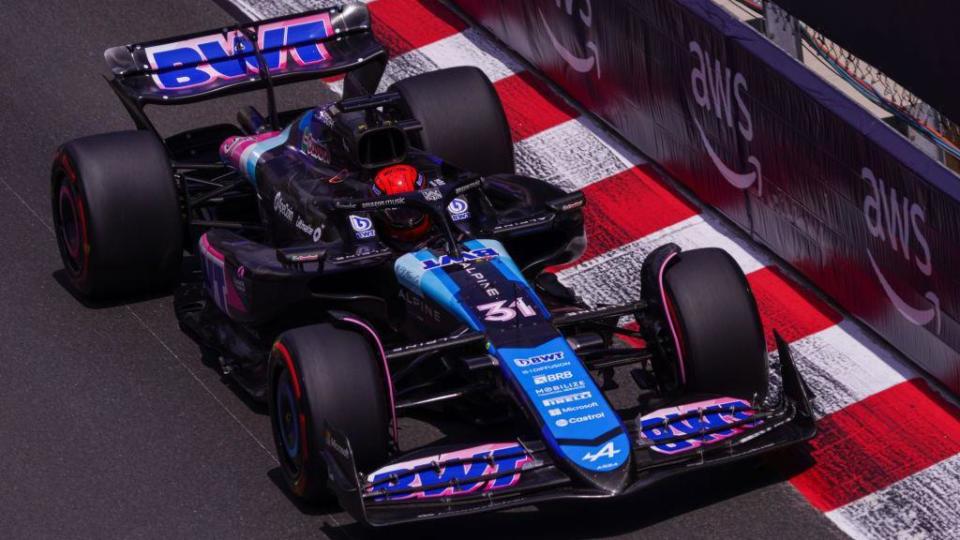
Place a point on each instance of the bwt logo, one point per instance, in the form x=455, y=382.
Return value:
x=207, y=59
x=898, y=221
x=717, y=89
x=474, y=470
x=541, y=359
x=583, y=16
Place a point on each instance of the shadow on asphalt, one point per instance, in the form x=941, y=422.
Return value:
x=60, y=276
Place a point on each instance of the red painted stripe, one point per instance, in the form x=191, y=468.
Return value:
x=795, y=313
x=629, y=206
x=530, y=106
x=405, y=25
x=626, y=207
x=633, y=341
x=878, y=441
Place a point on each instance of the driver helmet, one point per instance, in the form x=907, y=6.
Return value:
x=404, y=224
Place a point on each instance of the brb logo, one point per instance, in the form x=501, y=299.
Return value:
x=583, y=20
x=207, y=59
x=899, y=221
x=717, y=89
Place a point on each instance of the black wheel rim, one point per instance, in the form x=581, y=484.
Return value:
x=71, y=228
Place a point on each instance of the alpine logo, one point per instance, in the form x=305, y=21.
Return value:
x=608, y=451
x=581, y=63
x=899, y=222
x=715, y=89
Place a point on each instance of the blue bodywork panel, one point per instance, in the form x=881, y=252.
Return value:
x=485, y=289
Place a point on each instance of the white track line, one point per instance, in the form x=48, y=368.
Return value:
x=924, y=505
x=569, y=156
x=844, y=365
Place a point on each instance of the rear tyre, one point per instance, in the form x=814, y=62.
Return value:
x=713, y=315
x=324, y=375
x=463, y=119
x=116, y=214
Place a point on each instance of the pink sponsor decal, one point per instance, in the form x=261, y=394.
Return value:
x=663, y=426
x=206, y=59
x=448, y=474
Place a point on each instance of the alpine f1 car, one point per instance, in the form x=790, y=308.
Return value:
x=378, y=256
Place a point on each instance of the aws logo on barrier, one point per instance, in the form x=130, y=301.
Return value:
x=897, y=221
x=583, y=15
x=717, y=89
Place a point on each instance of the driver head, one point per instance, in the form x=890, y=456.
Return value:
x=403, y=224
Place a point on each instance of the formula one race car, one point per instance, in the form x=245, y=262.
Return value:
x=377, y=256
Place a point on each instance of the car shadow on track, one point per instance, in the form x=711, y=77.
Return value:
x=60, y=276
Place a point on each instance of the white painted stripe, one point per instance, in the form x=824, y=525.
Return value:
x=265, y=9
x=467, y=48
x=843, y=365
x=924, y=505
x=569, y=156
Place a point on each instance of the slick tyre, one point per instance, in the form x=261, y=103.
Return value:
x=462, y=117
x=325, y=375
x=714, y=318
x=116, y=214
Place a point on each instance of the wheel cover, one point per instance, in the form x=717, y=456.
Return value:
x=288, y=421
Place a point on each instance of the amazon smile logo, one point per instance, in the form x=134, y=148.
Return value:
x=579, y=63
x=719, y=90
x=898, y=222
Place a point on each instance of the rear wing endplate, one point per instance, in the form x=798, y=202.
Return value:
x=251, y=56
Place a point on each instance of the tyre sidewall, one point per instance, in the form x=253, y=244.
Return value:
x=341, y=387
x=715, y=317
x=134, y=229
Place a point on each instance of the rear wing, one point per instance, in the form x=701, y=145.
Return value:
x=250, y=56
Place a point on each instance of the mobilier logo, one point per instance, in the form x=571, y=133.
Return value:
x=581, y=62
x=720, y=90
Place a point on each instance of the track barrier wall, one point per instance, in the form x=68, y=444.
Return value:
x=831, y=189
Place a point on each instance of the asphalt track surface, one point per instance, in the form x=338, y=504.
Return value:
x=110, y=423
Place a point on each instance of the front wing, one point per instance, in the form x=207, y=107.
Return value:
x=524, y=472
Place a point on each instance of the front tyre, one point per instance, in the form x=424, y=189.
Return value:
x=713, y=318
x=327, y=376
x=116, y=214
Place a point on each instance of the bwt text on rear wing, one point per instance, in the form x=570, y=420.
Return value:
x=249, y=56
